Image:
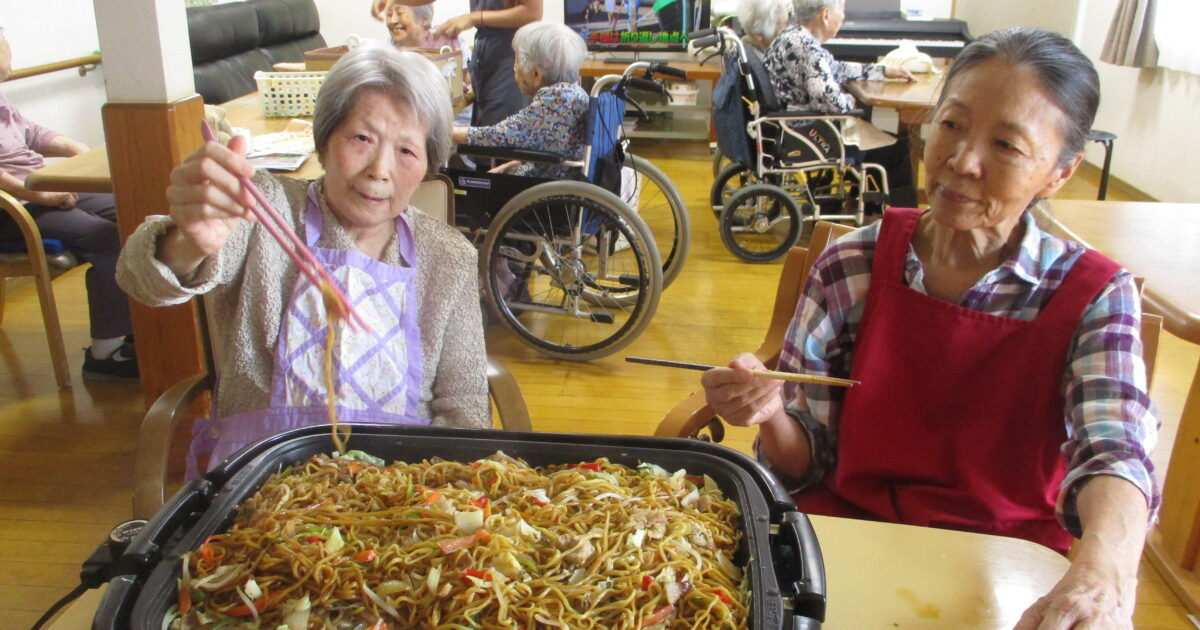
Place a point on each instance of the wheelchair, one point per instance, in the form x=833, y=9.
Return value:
x=787, y=169
x=576, y=267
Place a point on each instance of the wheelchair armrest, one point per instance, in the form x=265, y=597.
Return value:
x=510, y=153
x=154, y=442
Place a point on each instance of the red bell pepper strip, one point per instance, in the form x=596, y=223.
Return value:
x=365, y=556
x=723, y=597
x=592, y=466
x=658, y=615
x=476, y=573
x=264, y=602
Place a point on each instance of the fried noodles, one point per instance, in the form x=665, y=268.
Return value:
x=347, y=543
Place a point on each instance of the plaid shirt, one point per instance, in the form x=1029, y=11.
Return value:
x=1110, y=426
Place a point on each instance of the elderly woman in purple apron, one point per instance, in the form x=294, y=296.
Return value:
x=382, y=121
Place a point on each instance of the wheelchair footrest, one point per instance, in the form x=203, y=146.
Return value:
x=601, y=317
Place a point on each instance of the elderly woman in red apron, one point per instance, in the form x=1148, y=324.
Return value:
x=1003, y=389
x=382, y=121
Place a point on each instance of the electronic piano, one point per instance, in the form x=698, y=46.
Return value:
x=866, y=40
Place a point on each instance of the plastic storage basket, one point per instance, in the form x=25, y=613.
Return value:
x=289, y=93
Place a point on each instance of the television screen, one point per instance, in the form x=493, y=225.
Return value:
x=635, y=24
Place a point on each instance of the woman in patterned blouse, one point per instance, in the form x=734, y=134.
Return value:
x=548, y=57
x=806, y=77
x=1002, y=383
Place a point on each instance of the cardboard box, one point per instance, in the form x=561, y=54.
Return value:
x=450, y=62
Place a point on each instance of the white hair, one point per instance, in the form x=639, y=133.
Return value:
x=805, y=10
x=761, y=18
x=404, y=75
x=423, y=14
x=551, y=47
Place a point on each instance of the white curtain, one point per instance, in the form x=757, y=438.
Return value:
x=1130, y=40
x=1175, y=33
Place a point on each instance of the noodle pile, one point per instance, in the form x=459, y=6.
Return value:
x=333, y=310
x=346, y=543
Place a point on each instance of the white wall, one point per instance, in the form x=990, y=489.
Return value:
x=1153, y=112
x=45, y=32
x=985, y=16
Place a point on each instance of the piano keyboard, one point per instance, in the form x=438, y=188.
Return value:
x=894, y=43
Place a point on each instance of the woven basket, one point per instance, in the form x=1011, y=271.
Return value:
x=286, y=94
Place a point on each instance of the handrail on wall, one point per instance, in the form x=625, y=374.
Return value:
x=85, y=65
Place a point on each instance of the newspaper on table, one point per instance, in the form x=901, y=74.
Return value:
x=285, y=150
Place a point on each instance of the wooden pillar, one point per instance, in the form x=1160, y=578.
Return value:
x=145, y=141
x=151, y=122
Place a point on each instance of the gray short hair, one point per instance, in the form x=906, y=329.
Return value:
x=404, y=75
x=423, y=14
x=553, y=48
x=805, y=10
x=761, y=18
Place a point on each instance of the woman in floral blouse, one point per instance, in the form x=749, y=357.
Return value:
x=548, y=57
x=806, y=77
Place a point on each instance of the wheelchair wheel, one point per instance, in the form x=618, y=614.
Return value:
x=658, y=204
x=761, y=223
x=719, y=161
x=731, y=179
x=571, y=270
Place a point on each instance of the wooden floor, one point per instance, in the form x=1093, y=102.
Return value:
x=65, y=457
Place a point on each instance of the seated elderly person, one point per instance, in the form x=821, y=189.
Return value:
x=412, y=27
x=806, y=77
x=762, y=21
x=382, y=121
x=548, y=58
x=1002, y=385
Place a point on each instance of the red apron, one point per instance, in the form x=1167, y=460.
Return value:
x=959, y=419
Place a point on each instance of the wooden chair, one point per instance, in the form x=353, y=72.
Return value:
x=692, y=416
x=34, y=263
x=162, y=421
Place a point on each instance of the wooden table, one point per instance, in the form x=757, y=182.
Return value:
x=913, y=102
x=1159, y=242
x=880, y=575
x=89, y=171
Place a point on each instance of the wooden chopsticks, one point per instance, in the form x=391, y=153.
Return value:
x=782, y=376
x=295, y=248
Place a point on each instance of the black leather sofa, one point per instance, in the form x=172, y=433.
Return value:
x=231, y=41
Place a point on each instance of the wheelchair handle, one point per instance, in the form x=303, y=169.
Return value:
x=707, y=42
x=649, y=85
x=704, y=32
x=662, y=68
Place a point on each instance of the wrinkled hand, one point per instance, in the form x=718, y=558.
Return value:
x=62, y=200
x=738, y=396
x=457, y=24
x=207, y=199
x=1090, y=596
x=377, y=9
x=899, y=73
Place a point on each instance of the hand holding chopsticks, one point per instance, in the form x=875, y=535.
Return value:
x=295, y=248
x=772, y=374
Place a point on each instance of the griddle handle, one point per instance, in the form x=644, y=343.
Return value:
x=146, y=549
x=800, y=567
x=116, y=604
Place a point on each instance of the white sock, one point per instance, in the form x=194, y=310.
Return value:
x=104, y=348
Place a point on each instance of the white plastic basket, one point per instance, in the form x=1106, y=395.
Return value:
x=286, y=94
x=683, y=93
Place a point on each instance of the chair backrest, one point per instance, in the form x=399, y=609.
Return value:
x=764, y=92
x=435, y=197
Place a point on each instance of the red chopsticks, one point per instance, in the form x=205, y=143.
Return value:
x=278, y=228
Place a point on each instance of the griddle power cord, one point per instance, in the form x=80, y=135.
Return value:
x=99, y=568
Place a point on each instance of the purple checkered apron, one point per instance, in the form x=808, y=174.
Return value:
x=377, y=374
